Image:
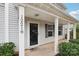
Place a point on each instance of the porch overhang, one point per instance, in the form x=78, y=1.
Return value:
x=46, y=12
x=41, y=14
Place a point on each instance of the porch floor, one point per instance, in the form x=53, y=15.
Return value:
x=43, y=50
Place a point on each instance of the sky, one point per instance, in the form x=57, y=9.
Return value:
x=73, y=9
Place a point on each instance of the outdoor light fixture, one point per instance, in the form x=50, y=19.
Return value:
x=36, y=14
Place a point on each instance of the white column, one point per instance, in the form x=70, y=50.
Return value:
x=56, y=36
x=74, y=31
x=21, y=30
x=6, y=22
x=63, y=32
x=68, y=32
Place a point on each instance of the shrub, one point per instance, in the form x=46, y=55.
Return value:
x=74, y=41
x=7, y=49
x=68, y=49
x=0, y=49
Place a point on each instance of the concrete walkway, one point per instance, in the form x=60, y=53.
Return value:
x=43, y=50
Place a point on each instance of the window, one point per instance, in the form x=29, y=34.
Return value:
x=60, y=30
x=49, y=31
x=60, y=33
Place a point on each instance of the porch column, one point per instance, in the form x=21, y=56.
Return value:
x=63, y=32
x=74, y=31
x=56, y=36
x=21, y=30
x=6, y=22
x=68, y=32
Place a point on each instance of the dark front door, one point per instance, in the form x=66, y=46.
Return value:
x=33, y=34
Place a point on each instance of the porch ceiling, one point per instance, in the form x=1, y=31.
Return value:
x=29, y=12
x=32, y=13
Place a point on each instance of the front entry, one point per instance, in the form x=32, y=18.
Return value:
x=33, y=34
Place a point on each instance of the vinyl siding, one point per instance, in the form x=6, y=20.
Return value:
x=13, y=25
x=2, y=23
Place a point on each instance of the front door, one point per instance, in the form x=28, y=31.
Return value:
x=33, y=34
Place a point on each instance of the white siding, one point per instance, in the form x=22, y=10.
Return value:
x=2, y=23
x=13, y=24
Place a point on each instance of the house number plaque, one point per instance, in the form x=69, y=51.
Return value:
x=21, y=24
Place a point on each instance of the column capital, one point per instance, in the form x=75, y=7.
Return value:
x=56, y=17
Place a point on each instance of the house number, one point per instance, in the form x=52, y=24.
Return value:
x=21, y=24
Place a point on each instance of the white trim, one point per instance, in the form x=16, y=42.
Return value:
x=56, y=36
x=21, y=30
x=6, y=22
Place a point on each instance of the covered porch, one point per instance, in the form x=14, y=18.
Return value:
x=47, y=14
x=38, y=14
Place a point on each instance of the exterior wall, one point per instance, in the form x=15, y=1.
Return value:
x=13, y=25
x=2, y=23
x=41, y=33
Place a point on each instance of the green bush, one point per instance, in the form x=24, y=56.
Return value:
x=0, y=49
x=68, y=49
x=7, y=49
x=74, y=41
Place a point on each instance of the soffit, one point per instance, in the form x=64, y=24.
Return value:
x=51, y=9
